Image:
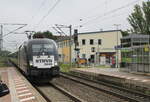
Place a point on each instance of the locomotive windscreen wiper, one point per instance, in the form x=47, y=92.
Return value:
x=41, y=50
x=38, y=54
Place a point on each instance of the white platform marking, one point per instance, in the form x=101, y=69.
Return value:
x=19, y=85
x=21, y=88
x=17, y=78
x=135, y=79
x=27, y=99
x=122, y=76
x=128, y=78
x=26, y=94
x=19, y=92
x=144, y=80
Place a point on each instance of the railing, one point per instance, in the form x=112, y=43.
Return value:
x=139, y=59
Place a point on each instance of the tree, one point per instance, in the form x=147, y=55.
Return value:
x=4, y=53
x=125, y=33
x=140, y=18
x=45, y=34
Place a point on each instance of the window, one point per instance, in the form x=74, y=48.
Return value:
x=99, y=41
x=36, y=47
x=83, y=55
x=63, y=44
x=83, y=41
x=93, y=49
x=66, y=43
x=59, y=55
x=42, y=47
x=91, y=41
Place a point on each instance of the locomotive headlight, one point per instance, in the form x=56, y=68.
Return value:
x=55, y=63
x=31, y=63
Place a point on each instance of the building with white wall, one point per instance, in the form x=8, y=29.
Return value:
x=97, y=47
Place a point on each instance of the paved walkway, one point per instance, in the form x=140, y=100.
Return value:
x=115, y=72
x=20, y=89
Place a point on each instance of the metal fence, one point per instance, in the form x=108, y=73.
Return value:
x=136, y=59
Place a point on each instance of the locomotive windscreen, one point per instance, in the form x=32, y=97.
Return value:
x=37, y=48
x=43, y=55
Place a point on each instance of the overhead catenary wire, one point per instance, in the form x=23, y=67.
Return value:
x=49, y=11
x=33, y=16
x=12, y=24
x=86, y=13
x=109, y=18
x=14, y=30
x=110, y=12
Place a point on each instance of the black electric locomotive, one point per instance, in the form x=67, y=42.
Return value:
x=38, y=59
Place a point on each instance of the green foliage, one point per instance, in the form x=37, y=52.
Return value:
x=65, y=67
x=4, y=58
x=45, y=34
x=13, y=55
x=125, y=33
x=3, y=61
x=4, y=53
x=140, y=19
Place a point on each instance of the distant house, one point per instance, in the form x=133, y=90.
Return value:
x=98, y=47
x=64, y=49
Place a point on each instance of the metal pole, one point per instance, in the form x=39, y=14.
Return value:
x=117, y=52
x=1, y=38
x=117, y=49
x=149, y=50
x=70, y=50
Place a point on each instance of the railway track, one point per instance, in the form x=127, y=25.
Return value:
x=54, y=93
x=51, y=92
x=122, y=93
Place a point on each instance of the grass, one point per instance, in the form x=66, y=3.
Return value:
x=65, y=67
x=147, y=92
x=93, y=66
x=3, y=61
x=14, y=60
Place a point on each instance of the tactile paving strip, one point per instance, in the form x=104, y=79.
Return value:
x=23, y=91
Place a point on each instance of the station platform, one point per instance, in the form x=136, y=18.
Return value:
x=20, y=89
x=114, y=75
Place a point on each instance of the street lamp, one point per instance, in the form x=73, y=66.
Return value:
x=117, y=51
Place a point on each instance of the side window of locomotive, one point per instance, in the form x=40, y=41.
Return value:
x=36, y=47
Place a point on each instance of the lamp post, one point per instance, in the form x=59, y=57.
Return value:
x=117, y=51
x=1, y=38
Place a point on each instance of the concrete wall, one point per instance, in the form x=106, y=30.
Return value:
x=108, y=43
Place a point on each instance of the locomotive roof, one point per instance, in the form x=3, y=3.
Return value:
x=40, y=41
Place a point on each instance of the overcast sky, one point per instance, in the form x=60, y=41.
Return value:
x=41, y=15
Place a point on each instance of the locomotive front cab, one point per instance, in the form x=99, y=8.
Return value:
x=43, y=60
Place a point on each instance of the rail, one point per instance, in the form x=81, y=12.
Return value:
x=129, y=95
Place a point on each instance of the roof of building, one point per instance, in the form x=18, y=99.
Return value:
x=63, y=38
x=136, y=36
x=100, y=32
